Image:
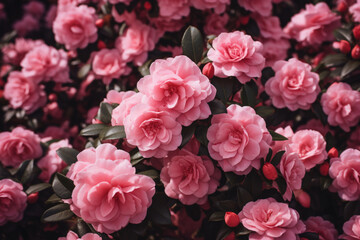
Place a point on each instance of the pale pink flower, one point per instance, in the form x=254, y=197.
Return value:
x=262, y=7
x=345, y=170
x=215, y=24
x=236, y=54
x=188, y=177
x=238, y=139
x=128, y=17
x=174, y=9
x=342, y=105
x=15, y=52
x=25, y=25
x=12, y=201
x=73, y=236
x=287, y=132
x=127, y=100
x=177, y=85
x=275, y=50
x=351, y=229
x=324, y=228
x=355, y=11
x=271, y=220
x=294, y=85
x=219, y=6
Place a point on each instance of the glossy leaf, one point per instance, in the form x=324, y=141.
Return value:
x=192, y=44
x=68, y=155
x=57, y=213
x=63, y=186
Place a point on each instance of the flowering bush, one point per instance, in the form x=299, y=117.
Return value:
x=187, y=119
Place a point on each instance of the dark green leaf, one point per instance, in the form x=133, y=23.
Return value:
x=150, y=173
x=57, y=213
x=233, y=178
x=92, y=130
x=277, y=137
x=243, y=197
x=192, y=44
x=200, y=134
x=343, y=34
x=29, y=172
x=253, y=183
x=68, y=155
x=226, y=205
x=265, y=111
x=330, y=141
x=187, y=133
x=241, y=230
x=277, y=158
x=53, y=199
x=249, y=93
x=281, y=184
x=144, y=69
x=223, y=232
x=224, y=87
x=111, y=133
x=63, y=186
x=335, y=60
x=317, y=109
x=217, y=216
x=83, y=71
x=351, y=209
x=269, y=155
x=266, y=74
x=159, y=210
x=136, y=158
x=349, y=67
x=37, y=188
x=104, y=114
x=217, y=107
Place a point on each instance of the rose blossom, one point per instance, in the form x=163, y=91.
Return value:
x=277, y=146
x=73, y=236
x=238, y=139
x=46, y=63
x=108, y=64
x=164, y=24
x=215, y=24
x=310, y=145
x=351, y=229
x=314, y=25
x=294, y=85
x=315, y=124
x=108, y=193
x=262, y=7
x=219, y=6
x=355, y=11
x=342, y=105
x=269, y=27
x=188, y=177
x=271, y=220
x=174, y=9
x=15, y=52
x=12, y=201
x=127, y=100
x=324, y=228
x=23, y=93
x=236, y=54
x=177, y=85
x=75, y=27
x=153, y=131
x=275, y=50
x=345, y=171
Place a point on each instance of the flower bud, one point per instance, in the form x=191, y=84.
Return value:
x=32, y=198
x=356, y=32
x=333, y=153
x=342, y=7
x=231, y=219
x=345, y=46
x=99, y=22
x=303, y=198
x=244, y=20
x=355, y=53
x=231, y=236
x=208, y=70
x=324, y=169
x=147, y=6
x=101, y=44
x=269, y=171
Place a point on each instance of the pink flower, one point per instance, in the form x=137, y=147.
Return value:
x=238, y=139
x=342, y=105
x=315, y=124
x=127, y=2
x=154, y=132
x=108, y=64
x=294, y=85
x=164, y=24
x=73, y=236
x=324, y=228
x=177, y=85
x=51, y=162
x=345, y=171
x=108, y=193
x=215, y=24
x=314, y=25
x=351, y=229
x=136, y=42
x=269, y=27
x=75, y=27
x=219, y=6
x=127, y=100
x=35, y=8
x=277, y=146
x=236, y=54
x=355, y=11
x=188, y=177
x=174, y=9
x=262, y=7
x=19, y=145
x=12, y=201
x=15, y=52
x=310, y=145
x=275, y=50
x=46, y=63
x=25, y=25
x=23, y=93
x=271, y=220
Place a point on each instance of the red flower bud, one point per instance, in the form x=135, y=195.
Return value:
x=342, y=7
x=324, y=169
x=345, y=46
x=269, y=171
x=356, y=32
x=101, y=44
x=99, y=22
x=303, y=198
x=52, y=97
x=208, y=70
x=244, y=20
x=147, y=6
x=231, y=236
x=355, y=53
x=32, y=198
x=333, y=153
x=231, y=219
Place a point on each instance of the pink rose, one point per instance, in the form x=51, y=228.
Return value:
x=23, y=93
x=219, y=6
x=271, y=220
x=236, y=54
x=73, y=236
x=177, y=85
x=342, y=105
x=269, y=27
x=354, y=140
x=238, y=139
x=19, y=145
x=46, y=63
x=294, y=85
x=75, y=27
x=275, y=50
x=314, y=25
x=127, y=100
x=136, y=42
x=351, y=229
x=310, y=145
x=216, y=24
x=355, y=11
x=174, y=9
x=153, y=131
x=15, y=52
x=108, y=64
x=12, y=201
x=108, y=193
x=345, y=171
x=35, y=8
x=324, y=228
x=188, y=177
x=51, y=162
x=277, y=146
x=262, y=7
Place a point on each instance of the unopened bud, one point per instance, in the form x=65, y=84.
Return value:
x=269, y=171
x=345, y=46
x=333, y=153
x=101, y=44
x=303, y=198
x=99, y=22
x=342, y=7
x=355, y=53
x=147, y=6
x=33, y=197
x=356, y=32
x=208, y=70
x=231, y=219
x=324, y=169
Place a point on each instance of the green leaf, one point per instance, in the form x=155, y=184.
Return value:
x=281, y=184
x=57, y=213
x=150, y=173
x=159, y=210
x=104, y=114
x=266, y=74
x=29, y=172
x=111, y=133
x=63, y=186
x=68, y=155
x=217, y=107
x=334, y=60
x=193, y=211
x=37, y=188
x=349, y=67
x=224, y=87
x=92, y=130
x=200, y=134
x=277, y=137
x=187, y=133
x=269, y=155
x=343, y=34
x=217, y=217
x=83, y=71
x=136, y=158
x=351, y=209
x=330, y=141
x=192, y=44
x=277, y=158
x=226, y=205
x=249, y=93
x=253, y=183
x=241, y=230
x=144, y=69
x=53, y=199
x=265, y=111
x=243, y=197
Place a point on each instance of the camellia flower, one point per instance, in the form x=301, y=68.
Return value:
x=73, y=236
x=174, y=9
x=215, y=24
x=126, y=100
x=355, y=11
x=15, y=52
x=236, y=54
x=351, y=229
x=219, y=6
x=324, y=228
x=262, y=7
x=238, y=139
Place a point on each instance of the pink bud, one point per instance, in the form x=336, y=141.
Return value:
x=208, y=70
x=269, y=171
x=303, y=198
x=231, y=219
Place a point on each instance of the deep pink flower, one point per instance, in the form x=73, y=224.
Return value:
x=236, y=54
x=26, y=25
x=238, y=139
x=73, y=236
x=351, y=229
x=216, y=24
x=324, y=228
x=262, y=7
x=219, y=6
x=35, y=8
x=177, y=85
x=271, y=220
x=174, y=9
